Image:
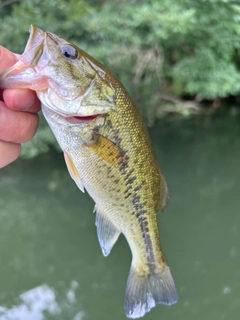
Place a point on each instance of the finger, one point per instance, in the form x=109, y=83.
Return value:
x=22, y=99
x=7, y=58
x=17, y=126
x=9, y=152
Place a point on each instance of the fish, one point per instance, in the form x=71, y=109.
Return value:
x=108, y=153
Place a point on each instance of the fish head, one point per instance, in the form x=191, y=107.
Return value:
x=67, y=80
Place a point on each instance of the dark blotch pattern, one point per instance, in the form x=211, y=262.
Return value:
x=131, y=191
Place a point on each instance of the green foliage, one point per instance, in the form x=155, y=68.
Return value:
x=57, y=16
x=156, y=47
x=209, y=65
x=209, y=77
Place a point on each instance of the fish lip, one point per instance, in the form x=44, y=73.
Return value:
x=53, y=36
x=34, y=33
x=30, y=56
x=34, y=46
x=24, y=73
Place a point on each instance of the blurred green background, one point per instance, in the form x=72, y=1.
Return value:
x=52, y=267
x=176, y=58
x=180, y=61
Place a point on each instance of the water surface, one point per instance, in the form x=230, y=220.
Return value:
x=51, y=265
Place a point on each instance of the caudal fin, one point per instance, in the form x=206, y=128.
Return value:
x=143, y=292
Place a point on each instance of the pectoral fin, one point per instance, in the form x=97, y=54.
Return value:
x=108, y=151
x=73, y=172
x=106, y=231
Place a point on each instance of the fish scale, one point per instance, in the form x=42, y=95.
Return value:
x=108, y=152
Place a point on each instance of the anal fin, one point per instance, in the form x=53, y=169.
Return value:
x=106, y=232
x=73, y=171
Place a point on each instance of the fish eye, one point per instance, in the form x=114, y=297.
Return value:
x=68, y=52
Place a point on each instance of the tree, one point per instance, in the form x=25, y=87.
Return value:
x=157, y=48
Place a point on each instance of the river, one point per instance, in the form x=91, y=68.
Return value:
x=51, y=265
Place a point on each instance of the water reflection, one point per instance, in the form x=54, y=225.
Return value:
x=52, y=268
x=39, y=302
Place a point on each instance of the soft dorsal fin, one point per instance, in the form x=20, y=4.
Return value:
x=164, y=197
x=73, y=171
x=107, y=233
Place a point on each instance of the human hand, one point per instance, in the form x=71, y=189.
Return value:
x=18, y=115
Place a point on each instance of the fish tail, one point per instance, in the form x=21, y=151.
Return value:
x=144, y=291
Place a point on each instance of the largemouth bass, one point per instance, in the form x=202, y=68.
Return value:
x=108, y=152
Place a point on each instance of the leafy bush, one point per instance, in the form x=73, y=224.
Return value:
x=157, y=48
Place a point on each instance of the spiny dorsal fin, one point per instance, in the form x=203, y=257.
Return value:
x=106, y=232
x=73, y=171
